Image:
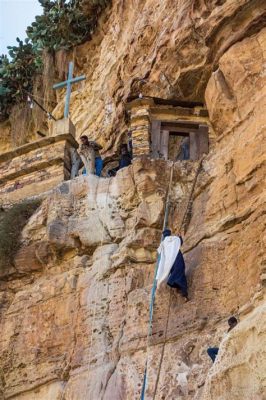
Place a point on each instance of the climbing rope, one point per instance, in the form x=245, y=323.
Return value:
x=164, y=342
x=33, y=100
x=153, y=291
x=188, y=211
x=184, y=223
x=97, y=284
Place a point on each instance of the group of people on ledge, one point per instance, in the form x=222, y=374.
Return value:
x=89, y=153
x=172, y=271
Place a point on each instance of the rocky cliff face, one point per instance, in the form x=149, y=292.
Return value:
x=74, y=313
x=165, y=49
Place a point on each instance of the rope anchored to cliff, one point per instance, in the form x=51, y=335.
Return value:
x=153, y=291
x=184, y=224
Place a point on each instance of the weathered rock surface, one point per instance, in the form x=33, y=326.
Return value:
x=158, y=48
x=75, y=326
x=240, y=366
x=166, y=49
x=74, y=315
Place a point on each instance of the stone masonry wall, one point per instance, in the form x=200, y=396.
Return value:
x=35, y=168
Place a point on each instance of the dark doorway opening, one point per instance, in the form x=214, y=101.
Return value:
x=181, y=140
x=178, y=147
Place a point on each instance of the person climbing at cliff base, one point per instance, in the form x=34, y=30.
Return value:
x=171, y=267
x=213, y=351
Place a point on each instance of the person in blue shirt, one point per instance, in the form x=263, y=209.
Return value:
x=96, y=162
x=98, y=158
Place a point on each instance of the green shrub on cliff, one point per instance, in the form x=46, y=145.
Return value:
x=62, y=25
x=12, y=222
x=16, y=74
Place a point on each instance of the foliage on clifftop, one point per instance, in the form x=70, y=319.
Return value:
x=63, y=24
x=16, y=75
x=12, y=222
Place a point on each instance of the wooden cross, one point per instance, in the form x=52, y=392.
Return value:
x=68, y=83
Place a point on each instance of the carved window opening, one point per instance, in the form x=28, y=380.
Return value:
x=181, y=140
x=169, y=129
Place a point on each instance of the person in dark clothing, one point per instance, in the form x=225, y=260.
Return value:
x=130, y=145
x=213, y=351
x=183, y=153
x=166, y=233
x=124, y=161
x=177, y=277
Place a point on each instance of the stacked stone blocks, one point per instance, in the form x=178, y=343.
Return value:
x=36, y=167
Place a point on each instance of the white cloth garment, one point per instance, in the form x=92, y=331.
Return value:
x=87, y=154
x=168, y=250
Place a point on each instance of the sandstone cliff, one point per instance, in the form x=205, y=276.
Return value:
x=74, y=313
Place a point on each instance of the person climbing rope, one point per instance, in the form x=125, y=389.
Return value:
x=172, y=265
x=159, y=274
x=213, y=351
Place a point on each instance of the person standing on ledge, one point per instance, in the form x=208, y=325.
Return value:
x=124, y=161
x=213, y=351
x=98, y=158
x=89, y=153
x=171, y=267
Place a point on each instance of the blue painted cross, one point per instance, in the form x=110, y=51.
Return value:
x=68, y=83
